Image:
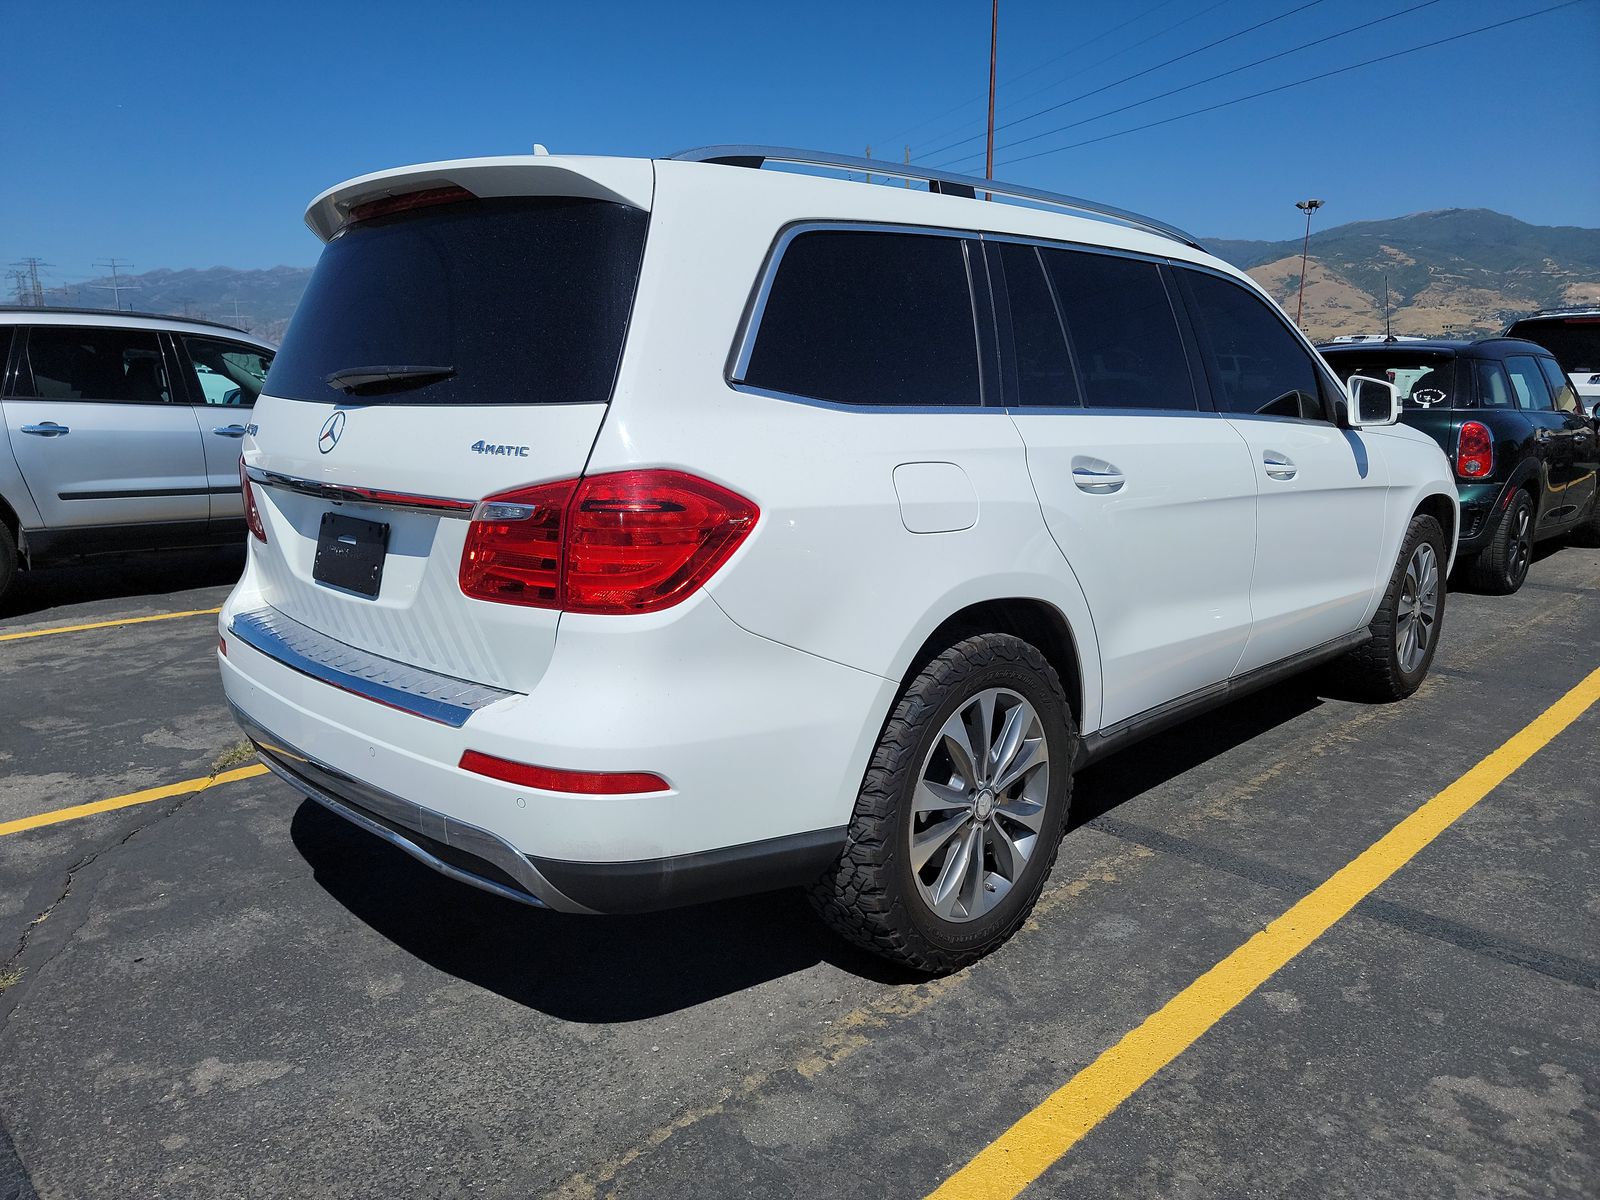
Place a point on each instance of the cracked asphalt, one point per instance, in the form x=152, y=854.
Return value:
x=233, y=994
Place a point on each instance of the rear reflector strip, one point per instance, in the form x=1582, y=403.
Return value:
x=387, y=206
x=551, y=779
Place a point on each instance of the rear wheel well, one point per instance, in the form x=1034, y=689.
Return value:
x=1034, y=621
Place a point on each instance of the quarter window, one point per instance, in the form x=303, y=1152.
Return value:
x=1256, y=366
x=227, y=373
x=1494, y=389
x=1044, y=367
x=1123, y=333
x=1527, y=381
x=118, y=365
x=859, y=317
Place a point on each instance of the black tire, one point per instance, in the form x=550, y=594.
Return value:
x=1374, y=670
x=870, y=895
x=8, y=559
x=1500, y=567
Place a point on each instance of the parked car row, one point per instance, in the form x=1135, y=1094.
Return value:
x=120, y=431
x=628, y=533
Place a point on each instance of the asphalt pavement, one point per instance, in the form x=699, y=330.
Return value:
x=228, y=992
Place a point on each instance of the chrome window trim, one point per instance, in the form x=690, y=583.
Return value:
x=755, y=309
x=750, y=389
x=415, y=690
x=434, y=506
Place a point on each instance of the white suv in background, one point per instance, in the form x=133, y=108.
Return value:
x=120, y=432
x=630, y=533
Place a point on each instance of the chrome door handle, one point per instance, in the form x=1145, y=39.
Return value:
x=1278, y=466
x=229, y=431
x=47, y=429
x=1541, y=434
x=1096, y=476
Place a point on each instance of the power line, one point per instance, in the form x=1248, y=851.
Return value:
x=1140, y=74
x=1132, y=46
x=1031, y=70
x=29, y=290
x=1111, y=112
x=1283, y=87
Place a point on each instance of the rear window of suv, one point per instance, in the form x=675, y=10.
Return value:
x=1423, y=380
x=525, y=300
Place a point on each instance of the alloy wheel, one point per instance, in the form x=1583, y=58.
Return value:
x=1418, y=610
x=1521, y=554
x=979, y=805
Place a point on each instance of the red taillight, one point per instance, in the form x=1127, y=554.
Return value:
x=252, y=514
x=1474, y=451
x=387, y=206
x=550, y=779
x=627, y=542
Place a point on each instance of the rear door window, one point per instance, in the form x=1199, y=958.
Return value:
x=1528, y=383
x=1566, y=396
x=123, y=366
x=515, y=301
x=869, y=318
x=1123, y=332
x=1256, y=366
x=228, y=374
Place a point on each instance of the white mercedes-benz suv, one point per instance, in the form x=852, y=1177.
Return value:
x=631, y=533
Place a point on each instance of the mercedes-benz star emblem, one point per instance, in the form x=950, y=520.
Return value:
x=332, y=431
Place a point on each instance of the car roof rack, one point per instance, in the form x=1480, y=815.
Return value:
x=75, y=310
x=943, y=182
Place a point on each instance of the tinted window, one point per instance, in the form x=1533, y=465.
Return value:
x=1044, y=368
x=1494, y=389
x=1575, y=341
x=1124, y=335
x=1527, y=382
x=227, y=373
x=526, y=300
x=1255, y=364
x=1423, y=380
x=1566, y=396
x=123, y=365
x=869, y=318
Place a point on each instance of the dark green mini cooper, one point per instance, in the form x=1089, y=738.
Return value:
x=1525, y=452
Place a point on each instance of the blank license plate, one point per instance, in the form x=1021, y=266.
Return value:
x=350, y=554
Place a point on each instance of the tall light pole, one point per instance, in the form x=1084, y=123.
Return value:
x=994, y=44
x=1308, y=207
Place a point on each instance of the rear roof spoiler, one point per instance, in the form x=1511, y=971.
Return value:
x=629, y=181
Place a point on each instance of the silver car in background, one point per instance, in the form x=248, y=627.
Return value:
x=120, y=432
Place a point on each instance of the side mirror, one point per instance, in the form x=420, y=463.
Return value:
x=1372, y=402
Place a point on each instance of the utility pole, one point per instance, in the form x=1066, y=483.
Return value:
x=1308, y=207
x=116, y=287
x=30, y=291
x=239, y=317
x=994, y=46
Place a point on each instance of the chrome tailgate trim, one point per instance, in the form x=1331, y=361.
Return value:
x=442, y=698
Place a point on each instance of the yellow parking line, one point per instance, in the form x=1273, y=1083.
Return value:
x=1022, y=1153
x=33, y=633
x=145, y=797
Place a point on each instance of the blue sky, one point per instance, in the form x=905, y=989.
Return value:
x=192, y=135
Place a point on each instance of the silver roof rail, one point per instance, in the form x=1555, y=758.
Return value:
x=938, y=181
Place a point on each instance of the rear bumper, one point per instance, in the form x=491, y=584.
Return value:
x=763, y=747
x=1483, y=505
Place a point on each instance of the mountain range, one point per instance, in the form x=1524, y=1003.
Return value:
x=1458, y=270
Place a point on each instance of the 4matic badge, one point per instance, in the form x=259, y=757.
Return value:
x=492, y=448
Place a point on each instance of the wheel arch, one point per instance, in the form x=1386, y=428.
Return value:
x=1035, y=621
